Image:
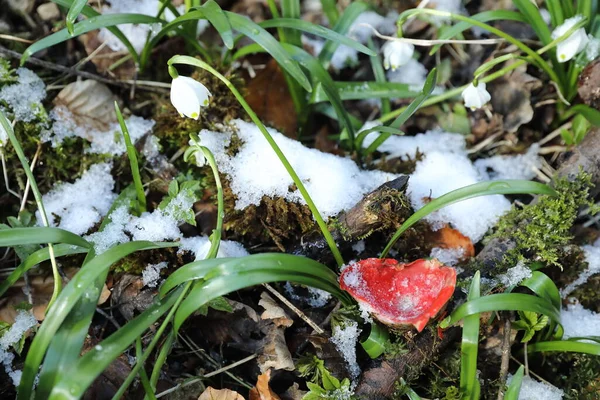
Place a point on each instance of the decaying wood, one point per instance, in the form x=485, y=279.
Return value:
x=381, y=209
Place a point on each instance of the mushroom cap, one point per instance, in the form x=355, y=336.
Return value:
x=400, y=294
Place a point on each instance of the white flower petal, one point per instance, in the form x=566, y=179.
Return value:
x=476, y=97
x=188, y=96
x=574, y=44
x=397, y=54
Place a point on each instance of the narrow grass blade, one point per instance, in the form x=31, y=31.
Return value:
x=90, y=12
x=469, y=346
x=36, y=258
x=66, y=302
x=73, y=383
x=469, y=192
x=90, y=24
x=379, y=74
x=591, y=114
x=565, y=346
x=330, y=10
x=375, y=344
x=213, y=13
x=74, y=11
x=290, y=9
x=557, y=16
x=342, y=26
x=512, y=393
x=19, y=236
x=540, y=284
x=503, y=302
x=133, y=162
x=218, y=277
x=367, y=90
x=534, y=19
x=68, y=341
x=318, y=30
x=259, y=35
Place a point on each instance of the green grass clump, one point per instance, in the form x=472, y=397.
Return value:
x=541, y=230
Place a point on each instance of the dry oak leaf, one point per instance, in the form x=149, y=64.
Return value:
x=223, y=394
x=262, y=390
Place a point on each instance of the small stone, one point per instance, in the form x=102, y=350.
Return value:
x=48, y=12
x=589, y=84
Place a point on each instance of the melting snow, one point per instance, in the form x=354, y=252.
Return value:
x=78, y=206
x=200, y=245
x=521, y=166
x=151, y=275
x=345, y=340
x=315, y=298
x=23, y=322
x=25, y=96
x=102, y=142
x=334, y=183
x=515, y=275
x=592, y=257
x=448, y=256
x=533, y=390
x=579, y=322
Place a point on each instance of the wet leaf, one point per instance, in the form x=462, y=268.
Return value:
x=222, y=394
x=262, y=390
x=91, y=103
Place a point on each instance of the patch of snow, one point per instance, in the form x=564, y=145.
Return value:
x=521, y=166
x=155, y=226
x=515, y=275
x=404, y=147
x=440, y=173
x=200, y=245
x=447, y=256
x=345, y=340
x=151, y=148
x=386, y=25
x=151, y=274
x=81, y=204
x=452, y=6
x=579, y=322
x=102, y=142
x=592, y=257
x=137, y=33
x=25, y=96
x=316, y=297
x=23, y=322
x=412, y=73
x=533, y=390
x=593, y=48
x=334, y=183
x=343, y=56
x=3, y=136
x=359, y=246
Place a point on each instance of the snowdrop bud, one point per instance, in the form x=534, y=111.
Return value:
x=396, y=54
x=188, y=96
x=574, y=44
x=475, y=97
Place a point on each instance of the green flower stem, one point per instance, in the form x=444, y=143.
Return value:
x=160, y=360
x=316, y=215
x=157, y=336
x=216, y=235
x=539, y=61
x=4, y=124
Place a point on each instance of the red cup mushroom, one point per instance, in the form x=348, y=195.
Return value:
x=400, y=294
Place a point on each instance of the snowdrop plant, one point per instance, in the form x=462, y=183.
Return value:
x=396, y=54
x=475, y=95
x=561, y=57
x=188, y=95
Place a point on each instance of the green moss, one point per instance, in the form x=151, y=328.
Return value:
x=577, y=374
x=541, y=230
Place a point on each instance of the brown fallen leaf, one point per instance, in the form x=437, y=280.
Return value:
x=106, y=57
x=449, y=238
x=269, y=97
x=274, y=352
x=219, y=394
x=90, y=103
x=262, y=390
x=41, y=288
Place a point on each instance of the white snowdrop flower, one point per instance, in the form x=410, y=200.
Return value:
x=188, y=96
x=574, y=44
x=476, y=97
x=396, y=54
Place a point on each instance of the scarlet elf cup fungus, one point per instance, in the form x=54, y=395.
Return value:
x=400, y=294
